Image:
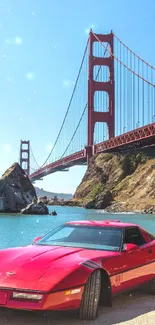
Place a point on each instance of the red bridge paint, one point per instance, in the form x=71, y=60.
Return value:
x=93, y=86
x=143, y=136
x=139, y=136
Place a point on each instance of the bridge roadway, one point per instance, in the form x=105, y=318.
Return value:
x=135, y=309
x=139, y=137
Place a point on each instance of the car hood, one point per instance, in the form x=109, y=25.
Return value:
x=33, y=261
x=37, y=263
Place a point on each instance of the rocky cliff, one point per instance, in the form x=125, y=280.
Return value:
x=16, y=190
x=119, y=182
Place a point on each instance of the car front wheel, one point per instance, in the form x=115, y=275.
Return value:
x=91, y=297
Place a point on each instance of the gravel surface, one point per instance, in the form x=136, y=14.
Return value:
x=128, y=309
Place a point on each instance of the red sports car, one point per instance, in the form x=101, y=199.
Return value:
x=78, y=265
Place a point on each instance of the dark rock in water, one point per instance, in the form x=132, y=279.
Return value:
x=35, y=208
x=150, y=210
x=16, y=190
x=54, y=213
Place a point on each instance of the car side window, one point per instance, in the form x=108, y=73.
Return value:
x=133, y=236
x=150, y=236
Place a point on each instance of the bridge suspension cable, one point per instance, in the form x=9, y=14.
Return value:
x=33, y=157
x=85, y=51
x=137, y=56
x=86, y=106
x=75, y=131
x=122, y=63
x=134, y=89
x=134, y=98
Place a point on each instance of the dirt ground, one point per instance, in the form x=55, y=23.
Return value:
x=128, y=309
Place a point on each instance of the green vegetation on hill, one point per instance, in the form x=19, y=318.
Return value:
x=127, y=180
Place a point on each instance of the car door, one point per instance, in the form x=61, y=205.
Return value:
x=139, y=262
x=130, y=268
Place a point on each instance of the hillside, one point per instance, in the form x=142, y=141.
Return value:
x=41, y=192
x=119, y=182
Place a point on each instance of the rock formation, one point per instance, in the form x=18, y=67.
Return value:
x=35, y=208
x=17, y=194
x=101, y=201
x=16, y=190
x=119, y=182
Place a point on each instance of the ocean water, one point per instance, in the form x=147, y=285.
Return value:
x=18, y=230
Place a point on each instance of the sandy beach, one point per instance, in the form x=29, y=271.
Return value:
x=128, y=309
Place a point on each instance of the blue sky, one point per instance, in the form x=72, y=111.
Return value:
x=41, y=46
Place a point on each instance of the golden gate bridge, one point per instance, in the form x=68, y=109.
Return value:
x=112, y=107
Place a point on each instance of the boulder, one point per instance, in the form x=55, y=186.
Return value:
x=150, y=210
x=42, y=199
x=35, y=208
x=54, y=213
x=16, y=190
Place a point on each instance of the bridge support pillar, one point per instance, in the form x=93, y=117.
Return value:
x=93, y=86
x=25, y=156
x=89, y=153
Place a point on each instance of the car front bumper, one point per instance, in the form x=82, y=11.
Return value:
x=62, y=300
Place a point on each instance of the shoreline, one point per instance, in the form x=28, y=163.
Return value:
x=114, y=207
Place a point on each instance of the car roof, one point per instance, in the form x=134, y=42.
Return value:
x=102, y=223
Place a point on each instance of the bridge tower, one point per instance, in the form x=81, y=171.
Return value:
x=25, y=156
x=93, y=86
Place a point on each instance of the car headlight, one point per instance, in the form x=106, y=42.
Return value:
x=27, y=296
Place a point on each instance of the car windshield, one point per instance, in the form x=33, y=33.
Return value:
x=101, y=238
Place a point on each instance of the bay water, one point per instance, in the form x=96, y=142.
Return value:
x=20, y=230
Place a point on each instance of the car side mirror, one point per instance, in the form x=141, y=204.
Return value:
x=130, y=247
x=37, y=239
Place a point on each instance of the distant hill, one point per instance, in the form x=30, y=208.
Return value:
x=41, y=192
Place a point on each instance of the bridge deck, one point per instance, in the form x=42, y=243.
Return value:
x=140, y=137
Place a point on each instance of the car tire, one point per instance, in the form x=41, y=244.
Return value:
x=91, y=297
x=150, y=287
